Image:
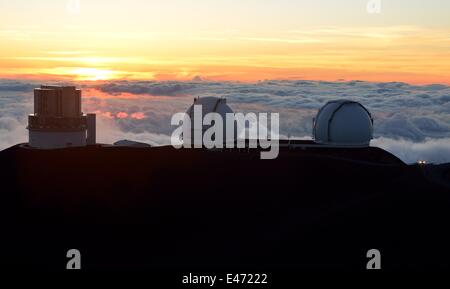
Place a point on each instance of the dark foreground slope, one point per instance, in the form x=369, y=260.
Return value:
x=167, y=209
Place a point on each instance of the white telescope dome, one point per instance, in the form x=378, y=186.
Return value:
x=343, y=123
x=208, y=105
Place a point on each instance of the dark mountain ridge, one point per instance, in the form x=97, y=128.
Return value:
x=311, y=209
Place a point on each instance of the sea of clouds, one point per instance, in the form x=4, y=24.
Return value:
x=411, y=121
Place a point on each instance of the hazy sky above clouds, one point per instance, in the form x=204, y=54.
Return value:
x=243, y=40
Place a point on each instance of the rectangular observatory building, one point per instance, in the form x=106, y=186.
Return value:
x=57, y=121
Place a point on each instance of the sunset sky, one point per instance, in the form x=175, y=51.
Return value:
x=246, y=40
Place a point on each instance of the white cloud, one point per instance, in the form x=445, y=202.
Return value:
x=109, y=132
x=430, y=150
x=11, y=132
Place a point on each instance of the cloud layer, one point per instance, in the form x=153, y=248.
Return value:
x=411, y=121
x=430, y=150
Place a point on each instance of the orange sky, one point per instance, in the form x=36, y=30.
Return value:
x=105, y=42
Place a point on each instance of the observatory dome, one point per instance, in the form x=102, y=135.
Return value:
x=343, y=123
x=208, y=105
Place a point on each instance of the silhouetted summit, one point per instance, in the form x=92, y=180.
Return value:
x=311, y=208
